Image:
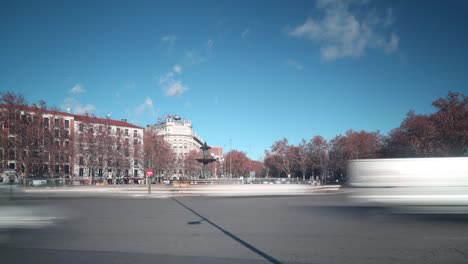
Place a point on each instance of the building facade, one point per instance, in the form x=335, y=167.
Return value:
x=217, y=152
x=35, y=142
x=179, y=134
x=107, y=149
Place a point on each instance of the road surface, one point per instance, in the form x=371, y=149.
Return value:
x=286, y=229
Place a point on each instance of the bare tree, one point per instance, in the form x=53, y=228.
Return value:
x=303, y=159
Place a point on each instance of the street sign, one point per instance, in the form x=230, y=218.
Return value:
x=149, y=173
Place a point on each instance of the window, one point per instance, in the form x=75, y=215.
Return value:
x=100, y=173
x=135, y=141
x=11, y=166
x=66, y=157
x=81, y=127
x=56, y=122
x=46, y=122
x=67, y=134
x=100, y=161
x=135, y=173
x=67, y=123
x=11, y=155
x=81, y=161
x=100, y=129
x=66, y=169
x=126, y=132
x=56, y=133
x=135, y=163
x=118, y=131
x=81, y=172
x=135, y=133
x=109, y=130
x=57, y=169
x=1, y=154
x=67, y=144
x=46, y=169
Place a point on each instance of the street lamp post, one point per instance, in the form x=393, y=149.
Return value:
x=230, y=158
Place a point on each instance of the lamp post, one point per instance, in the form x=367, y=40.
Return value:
x=230, y=158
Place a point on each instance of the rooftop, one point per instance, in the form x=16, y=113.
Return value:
x=105, y=121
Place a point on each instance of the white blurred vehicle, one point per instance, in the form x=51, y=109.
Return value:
x=440, y=183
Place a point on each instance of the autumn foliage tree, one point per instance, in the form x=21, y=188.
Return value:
x=287, y=155
x=443, y=133
x=191, y=166
x=319, y=156
x=157, y=153
x=237, y=163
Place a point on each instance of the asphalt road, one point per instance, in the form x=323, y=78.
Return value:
x=301, y=229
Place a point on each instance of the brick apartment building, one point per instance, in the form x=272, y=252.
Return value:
x=36, y=142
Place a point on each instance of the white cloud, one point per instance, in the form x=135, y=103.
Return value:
x=193, y=57
x=342, y=32
x=209, y=44
x=77, y=89
x=175, y=88
x=245, y=33
x=177, y=69
x=295, y=64
x=168, y=41
x=76, y=107
x=145, y=108
x=170, y=85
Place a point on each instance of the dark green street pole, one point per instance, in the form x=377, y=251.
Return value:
x=148, y=179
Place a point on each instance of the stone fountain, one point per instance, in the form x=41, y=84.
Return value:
x=206, y=159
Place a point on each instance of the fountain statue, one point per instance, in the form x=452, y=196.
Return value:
x=206, y=159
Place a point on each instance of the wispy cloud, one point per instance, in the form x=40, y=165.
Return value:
x=146, y=108
x=341, y=32
x=76, y=107
x=77, y=89
x=168, y=41
x=295, y=64
x=177, y=69
x=209, y=44
x=193, y=57
x=245, y=33
x=175, y=88
x=170, y=85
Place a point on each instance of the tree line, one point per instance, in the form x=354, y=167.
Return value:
x=43, y=146
x=443, y=133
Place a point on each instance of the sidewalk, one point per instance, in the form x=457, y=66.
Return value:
x=193, y=190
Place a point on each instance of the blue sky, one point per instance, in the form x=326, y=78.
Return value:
x=250, y=71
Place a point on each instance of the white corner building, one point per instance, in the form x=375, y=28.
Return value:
x=179, y=134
